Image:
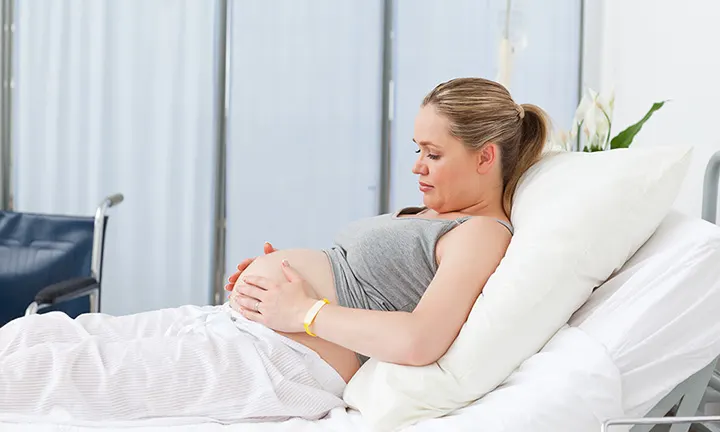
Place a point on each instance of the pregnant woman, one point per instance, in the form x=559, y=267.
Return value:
x=300, y=323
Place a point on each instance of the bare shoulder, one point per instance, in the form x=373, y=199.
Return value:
x=478, y=235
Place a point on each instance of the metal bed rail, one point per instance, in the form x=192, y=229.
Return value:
x=709, y=213
x=710, y=189
x=687, y=421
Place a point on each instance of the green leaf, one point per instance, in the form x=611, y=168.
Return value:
x=624, y=138
x=593, y=148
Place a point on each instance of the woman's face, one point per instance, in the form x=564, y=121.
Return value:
x=451, y=176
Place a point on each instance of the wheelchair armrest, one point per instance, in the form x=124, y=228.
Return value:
x=66, y=290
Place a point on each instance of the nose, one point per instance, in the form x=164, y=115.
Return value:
x=419, y=168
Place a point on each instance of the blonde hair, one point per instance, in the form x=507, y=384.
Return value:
x=481, y=111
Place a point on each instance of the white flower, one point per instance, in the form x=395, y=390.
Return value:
x=606, y=102
x=594, y=116
x=593, y=121
x=561, y=140
x=586, y=103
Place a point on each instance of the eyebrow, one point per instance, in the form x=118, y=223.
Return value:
x=425, y=143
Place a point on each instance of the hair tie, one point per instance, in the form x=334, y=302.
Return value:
x=520, y=110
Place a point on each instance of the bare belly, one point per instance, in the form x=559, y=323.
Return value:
x=315, y=268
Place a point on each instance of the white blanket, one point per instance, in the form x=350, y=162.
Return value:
x=182, y=365
x=570, y=385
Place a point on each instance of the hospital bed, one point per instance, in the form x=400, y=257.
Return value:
x=645, y=344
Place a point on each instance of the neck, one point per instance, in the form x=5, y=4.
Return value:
x=480, y=208
x=489, y=205
x=484, y=208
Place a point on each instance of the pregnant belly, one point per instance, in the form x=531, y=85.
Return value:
x=314, y=267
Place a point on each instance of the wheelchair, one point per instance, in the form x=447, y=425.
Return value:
x=52, y=262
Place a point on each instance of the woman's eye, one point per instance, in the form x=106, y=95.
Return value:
x=430, y=155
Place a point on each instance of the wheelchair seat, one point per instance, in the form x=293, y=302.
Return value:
x=51, y=262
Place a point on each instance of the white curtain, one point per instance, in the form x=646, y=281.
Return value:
x=119, y=96
x=304, y=123
x=435, y=41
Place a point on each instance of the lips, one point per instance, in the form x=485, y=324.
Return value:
x=424, y=187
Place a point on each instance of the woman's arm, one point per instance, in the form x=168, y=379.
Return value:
x=469, y=254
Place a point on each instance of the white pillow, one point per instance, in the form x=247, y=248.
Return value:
x=578, y=217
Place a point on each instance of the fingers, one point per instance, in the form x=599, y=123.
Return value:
x=260, y=282
x=246, y=307
x=232, y=279
x=268, y=248
x=241, y=267
x=251, y=291
x=290, y=274
x=246, y=302
x=235, y=276
x=251, y=315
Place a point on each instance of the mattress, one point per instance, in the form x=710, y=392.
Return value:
x=659, y=316
x=644, y=331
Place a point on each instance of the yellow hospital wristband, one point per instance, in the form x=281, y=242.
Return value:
x=312, y=313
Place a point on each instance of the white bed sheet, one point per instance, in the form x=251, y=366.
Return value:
x=640, y=334
x=572, y=376
x=659, y=317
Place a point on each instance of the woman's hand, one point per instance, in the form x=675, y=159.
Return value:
x=279, y=306
x=267, y=248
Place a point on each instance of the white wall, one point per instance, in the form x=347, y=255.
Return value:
x=653, y=50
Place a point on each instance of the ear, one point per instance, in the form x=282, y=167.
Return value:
x=487, y=157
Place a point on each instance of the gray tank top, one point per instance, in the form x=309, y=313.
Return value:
x=386, y=262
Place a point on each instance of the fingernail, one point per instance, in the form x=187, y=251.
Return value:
x=285, y=263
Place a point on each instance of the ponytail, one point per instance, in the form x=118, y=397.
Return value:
x=533, y=135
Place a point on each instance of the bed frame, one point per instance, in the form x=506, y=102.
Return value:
x=679, y=408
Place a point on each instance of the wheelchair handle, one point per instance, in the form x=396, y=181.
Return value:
x=99, y=237
x=115, y=199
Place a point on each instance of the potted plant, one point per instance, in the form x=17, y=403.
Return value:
x=592, y=125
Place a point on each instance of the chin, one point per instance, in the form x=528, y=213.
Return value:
x=429, y=203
